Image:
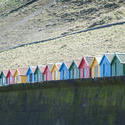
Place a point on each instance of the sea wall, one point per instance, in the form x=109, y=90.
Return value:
x=72, y=102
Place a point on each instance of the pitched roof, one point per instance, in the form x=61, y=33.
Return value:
x=89, y=60
x=109, y=56
x=98, y=58
x=58, y=65
x=5, y=72
x=12, y=71
x=42, y=68
x=68, y=64
x=50, y=66
x=77, y=62
x=22, y=71
x=121, y=57
x=33, y=68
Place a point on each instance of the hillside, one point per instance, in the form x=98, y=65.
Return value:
x=23, y=21
x=42, y=19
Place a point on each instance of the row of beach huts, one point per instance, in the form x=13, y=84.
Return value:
x=110, y=64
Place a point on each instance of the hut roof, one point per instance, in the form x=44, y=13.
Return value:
x=5, y=72
x=41, y=67
x=12, y=71
x=89, y=60
x=121, y=57
x=98, y=58
x=33, y=68
x=109, y=56
x=22, y=71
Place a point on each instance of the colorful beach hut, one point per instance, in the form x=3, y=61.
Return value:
x=95, y=67
x=55, y=71
x=38, y=74
x=64, y=70
x=105, y=65
x=10, y=76
x=20, y=75
x=74, y=70
x=3, y=77
x=85, y=67
x=30, y=74
x=118, y=64
x=47, y=72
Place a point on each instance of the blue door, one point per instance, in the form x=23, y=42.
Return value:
x=103, y=70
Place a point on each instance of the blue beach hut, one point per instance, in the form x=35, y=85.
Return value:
x=105, y=65
x=64, y=71
x=30, y=74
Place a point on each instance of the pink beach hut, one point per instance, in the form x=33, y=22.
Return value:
x=85, y=67
x=47, y=72
x=10, y=76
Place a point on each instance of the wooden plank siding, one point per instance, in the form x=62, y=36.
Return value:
x=85, y=67
x=38, y=74
x=20, y=75
x=74, y=70
x=64, y=71
x=118, y=65
x=95, y=67
x=55, y=71
x=30, y=74
x=47, y=72
x=105, y=65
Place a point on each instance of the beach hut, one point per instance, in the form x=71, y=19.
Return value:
x=38, y=74
x=30, y=74
x=95, y=67
x=74, y=70
x=105, y=65
x=64, y=71
x=55, y=71
x=10, y=76
x=3, y=77
x=118, y=64
x=47, y=72
x=20, y=75
x=85, y=67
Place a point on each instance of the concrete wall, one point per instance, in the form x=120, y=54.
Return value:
x=71, y=102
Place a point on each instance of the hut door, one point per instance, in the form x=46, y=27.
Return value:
x=103, y=70
x=30, y=79
x=115, y=69
x=85, y=72
x=124, y=69
x=73, y=73
x=63, y=74
x=96, y=71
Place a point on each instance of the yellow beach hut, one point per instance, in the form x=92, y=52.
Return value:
x=95, y=67
x=20, y=75
x=55, y=71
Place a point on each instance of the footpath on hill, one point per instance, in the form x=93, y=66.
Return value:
x=64, y=35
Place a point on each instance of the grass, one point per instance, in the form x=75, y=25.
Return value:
x=40, y=21
x=92, y=43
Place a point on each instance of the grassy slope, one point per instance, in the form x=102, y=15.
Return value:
x=40, y=21
x=71, y=47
